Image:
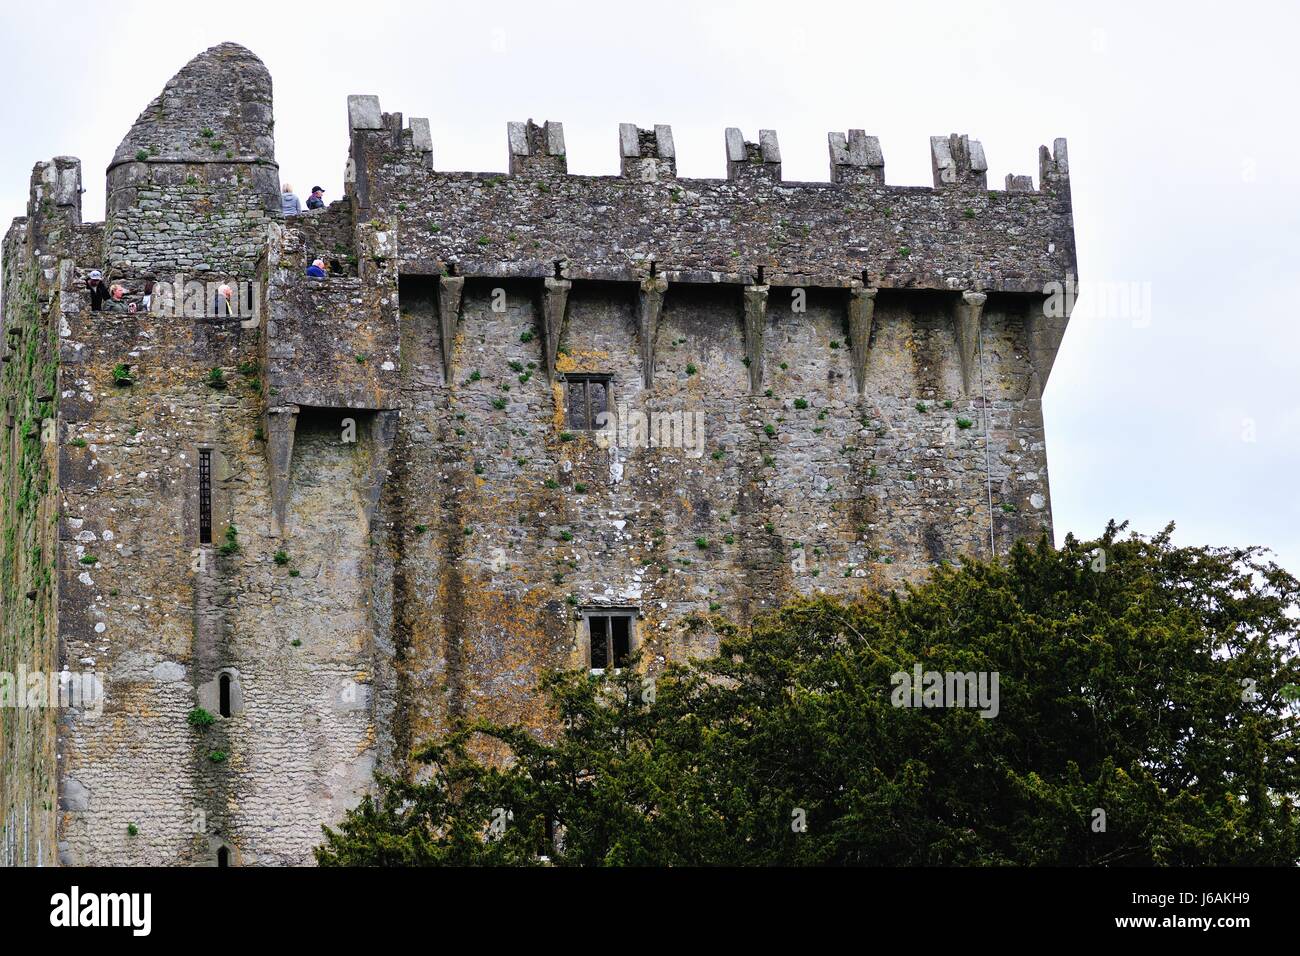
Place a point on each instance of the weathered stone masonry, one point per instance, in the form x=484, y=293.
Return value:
x=407, y=524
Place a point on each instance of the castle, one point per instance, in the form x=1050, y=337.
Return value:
x=265, y=544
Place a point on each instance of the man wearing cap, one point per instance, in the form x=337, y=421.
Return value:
x=98, y=291
x=316, y=201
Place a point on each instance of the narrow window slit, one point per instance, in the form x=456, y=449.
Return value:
x=205, y=496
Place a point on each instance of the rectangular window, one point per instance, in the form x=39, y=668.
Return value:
x=587, y=399
x=610, y=638
x=205, y=496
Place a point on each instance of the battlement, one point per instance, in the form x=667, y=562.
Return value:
x=856, y=159
x=856, y=227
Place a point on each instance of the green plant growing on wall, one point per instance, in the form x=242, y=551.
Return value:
x=122, y=375
x=216, y=379
x=200, y=719
x=89, y=559
x=231, y=544
x=132, y=830
x=281, y=558
x=965, y=423
x=217, y=756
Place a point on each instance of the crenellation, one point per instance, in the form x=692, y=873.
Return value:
x=958, y=160
x=422, y=139
x=1054, y=166
x=647, y=155
x=745, y=159
x=339, y=514
x=856, y=158
x=537, y=150
x=364, y=113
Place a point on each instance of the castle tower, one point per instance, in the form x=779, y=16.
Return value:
x=192, y=185
x=529, y=420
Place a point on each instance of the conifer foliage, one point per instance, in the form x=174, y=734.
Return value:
x=1147, y=714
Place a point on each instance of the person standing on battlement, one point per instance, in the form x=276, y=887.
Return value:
x=289, y=204
x=223, y=304
x=317, y=198
x=115, y=303
x=98, y=291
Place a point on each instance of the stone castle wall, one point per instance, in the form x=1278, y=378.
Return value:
x=193, y=184
x=407, y=527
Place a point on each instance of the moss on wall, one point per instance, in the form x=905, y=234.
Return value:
x=28, y=517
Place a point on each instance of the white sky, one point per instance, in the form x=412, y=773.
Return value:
x=1183, y=154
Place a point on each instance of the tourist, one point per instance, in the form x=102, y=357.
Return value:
x=317, y=269
x=317, y=198
x=146, y=300
x=115, y=303
x=224, y=306
x=98, y=291
x=289, y=204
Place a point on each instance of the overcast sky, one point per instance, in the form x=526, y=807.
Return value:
x=1183, y=139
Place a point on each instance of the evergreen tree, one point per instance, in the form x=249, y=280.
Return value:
x=1146, y=714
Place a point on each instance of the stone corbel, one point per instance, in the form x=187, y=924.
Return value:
x=281, y=424
x=862, y=309
x=1046, y=325
x=652, y=303
x=451, y=291
x=383, y=432
x=968, y=330
x=555, y=300
x=755, y=322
